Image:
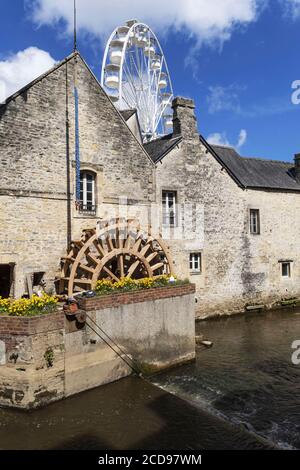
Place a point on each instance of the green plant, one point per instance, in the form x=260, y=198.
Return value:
x=107, y=286
x=28, y=307
x=49, y=357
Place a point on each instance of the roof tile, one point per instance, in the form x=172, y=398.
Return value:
x=248, y=172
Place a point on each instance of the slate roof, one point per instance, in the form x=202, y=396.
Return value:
x=258, y=172
x=158, y=148
x=255, y=173
x=127, y=113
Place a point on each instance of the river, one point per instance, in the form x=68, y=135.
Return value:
x=244, y=393
x=248, y=376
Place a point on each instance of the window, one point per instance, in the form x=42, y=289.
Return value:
x=254, y=221
x=169, y=201
x=286, y=269
x=195, y=263
x=38, y=279
x=87, y=192
x=6, y=280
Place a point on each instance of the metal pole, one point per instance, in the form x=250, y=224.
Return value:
x=75, y=27
x=68, y=163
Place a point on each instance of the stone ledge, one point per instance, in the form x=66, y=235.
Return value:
x=27, y=326
x=125, y=298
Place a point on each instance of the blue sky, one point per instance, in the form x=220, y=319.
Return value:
x=237, y=61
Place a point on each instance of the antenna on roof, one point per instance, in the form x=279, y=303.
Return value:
x=75, y=27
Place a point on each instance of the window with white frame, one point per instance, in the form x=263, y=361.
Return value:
x=87, y=191
x=169, y=202
x=254, y=222
x=286, y=270
x=195, y=263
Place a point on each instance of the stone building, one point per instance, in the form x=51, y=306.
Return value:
x=243, y=240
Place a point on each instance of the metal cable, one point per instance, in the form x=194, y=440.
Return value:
x=110, y=339
x=114, y=343
x=138, y=372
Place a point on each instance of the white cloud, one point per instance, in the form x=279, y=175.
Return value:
x=21, y=68
x=242, y=138
x=291, y=7
x=222, y=98
x=205, y=20
x=220, y=138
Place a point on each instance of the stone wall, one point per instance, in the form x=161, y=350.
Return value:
x=27, y=380
x=33, y=167
x=278, y=241
x=218, y=205
x=47, y=358
x=34, y=236
x=237, y=268
x=155, y=327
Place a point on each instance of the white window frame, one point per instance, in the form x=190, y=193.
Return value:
x=170, y=197
x=289, y=269
x=83, y=179
x=195, y=262
x=255, y=221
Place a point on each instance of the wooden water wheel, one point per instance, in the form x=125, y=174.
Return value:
x=116, y=250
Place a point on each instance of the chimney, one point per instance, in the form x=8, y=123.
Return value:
x=297, y=167
x=184, y=119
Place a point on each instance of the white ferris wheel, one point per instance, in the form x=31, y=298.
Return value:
x=135, y=75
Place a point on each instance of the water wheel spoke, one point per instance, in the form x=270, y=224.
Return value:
x=151, y=256
x=109, y=243
x=111, y=274
x=120, y=241
x=99, y=248
x=117, y=236
x=68, y=259
x=145, y=249
x=86, y=268
x=121, y=265
x=78, y=244
x=157, y=266
x=133, y=268
x=137, y=245
x=92, y=258
x=79, y=281
x=128, y=242
x=116, y=250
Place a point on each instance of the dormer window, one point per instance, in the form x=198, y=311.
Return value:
x=87, y=192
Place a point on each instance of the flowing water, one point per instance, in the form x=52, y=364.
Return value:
x=248, y=376
x=243, y=388
x=129, y=414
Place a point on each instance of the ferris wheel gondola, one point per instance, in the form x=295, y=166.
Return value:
x=135, y=75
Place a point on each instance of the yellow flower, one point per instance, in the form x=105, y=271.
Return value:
x=27, y=307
